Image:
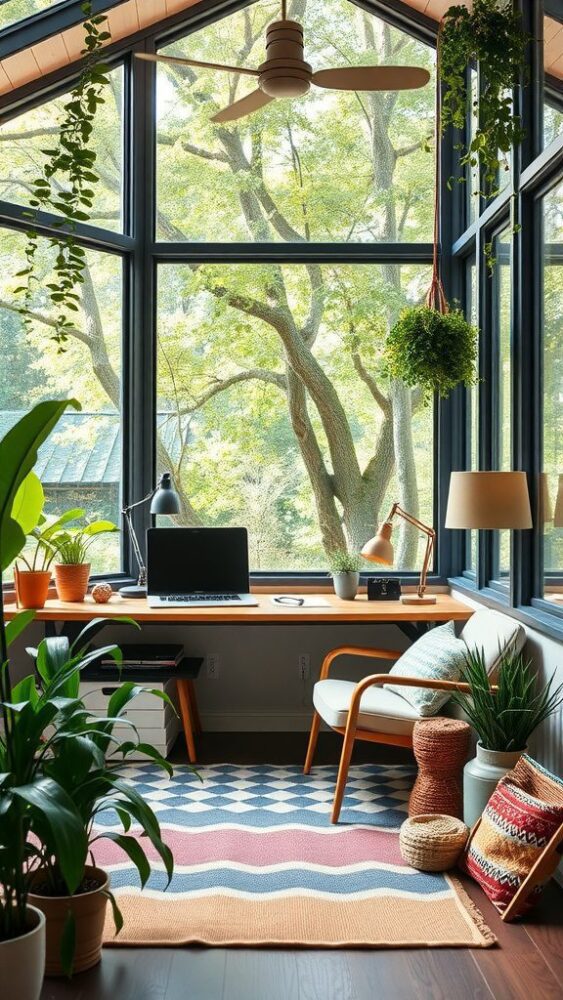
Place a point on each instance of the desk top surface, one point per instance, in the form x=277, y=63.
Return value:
x=359, y=610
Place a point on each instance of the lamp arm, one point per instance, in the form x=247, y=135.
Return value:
x=426, y=530
x=131, y=506
x=142, y=579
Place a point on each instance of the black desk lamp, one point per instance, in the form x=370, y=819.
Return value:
x=164, y=500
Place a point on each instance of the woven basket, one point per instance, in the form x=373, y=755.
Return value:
x=432, y=842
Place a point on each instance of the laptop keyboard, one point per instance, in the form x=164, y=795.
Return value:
x=188, y=598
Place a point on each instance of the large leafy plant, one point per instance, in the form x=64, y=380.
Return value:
x=505, y=718
x=30, y=802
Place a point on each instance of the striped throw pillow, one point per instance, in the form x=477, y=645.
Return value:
x=438, y=655
x=522, y=816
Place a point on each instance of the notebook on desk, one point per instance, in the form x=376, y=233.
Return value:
x=198, y=567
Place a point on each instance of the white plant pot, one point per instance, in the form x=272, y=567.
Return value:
x=481, y=776
x=22, y=960
x=346, y=585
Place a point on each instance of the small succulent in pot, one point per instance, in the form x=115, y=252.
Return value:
x=345, y=568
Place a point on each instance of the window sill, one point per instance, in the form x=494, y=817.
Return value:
x=538, y=616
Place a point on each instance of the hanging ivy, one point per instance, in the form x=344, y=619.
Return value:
x=490, y=35
x=65, y=186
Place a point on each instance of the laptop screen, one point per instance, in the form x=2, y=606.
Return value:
x=197, y=560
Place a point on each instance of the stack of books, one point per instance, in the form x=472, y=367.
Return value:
x=147, y=657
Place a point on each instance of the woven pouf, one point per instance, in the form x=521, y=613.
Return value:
x=432, y=843
x=441, y=747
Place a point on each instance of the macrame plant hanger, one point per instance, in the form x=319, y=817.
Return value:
x=435, y=297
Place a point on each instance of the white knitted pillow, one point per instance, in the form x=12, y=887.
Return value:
x=437, y=655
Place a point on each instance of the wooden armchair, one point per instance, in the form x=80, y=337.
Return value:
x=351, y=731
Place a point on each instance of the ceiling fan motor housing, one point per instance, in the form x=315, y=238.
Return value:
x=285, y=72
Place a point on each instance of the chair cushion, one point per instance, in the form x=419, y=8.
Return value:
x=437, y=655
x=494, y=633
x=381, y=711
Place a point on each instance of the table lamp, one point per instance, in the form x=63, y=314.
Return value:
x=379, y=549
x=164, y=500
x=488, y=500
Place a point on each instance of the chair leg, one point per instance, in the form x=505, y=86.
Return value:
x=315, y=725
x=194, y=707
x=345, y=758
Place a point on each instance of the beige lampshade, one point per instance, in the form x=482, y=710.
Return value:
x=488, y=500
x=379, y=548
x=558, y=511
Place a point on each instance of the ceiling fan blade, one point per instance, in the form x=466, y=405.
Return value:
x=372, y=78
x=179, y=61
x=252, y=102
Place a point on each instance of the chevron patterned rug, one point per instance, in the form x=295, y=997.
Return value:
x=258, y=864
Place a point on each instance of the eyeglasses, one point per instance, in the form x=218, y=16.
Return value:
x=292, y=602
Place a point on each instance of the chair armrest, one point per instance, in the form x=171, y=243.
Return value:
x=374, y=654
x=418, y=682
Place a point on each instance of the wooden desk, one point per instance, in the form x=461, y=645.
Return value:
x=267, y=613
x=413, y=620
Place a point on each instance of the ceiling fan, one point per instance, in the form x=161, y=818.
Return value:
x=286, y=74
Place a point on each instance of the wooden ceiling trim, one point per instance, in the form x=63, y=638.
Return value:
x=131, y=16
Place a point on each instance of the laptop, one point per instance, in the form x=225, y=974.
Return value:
x=198, y=567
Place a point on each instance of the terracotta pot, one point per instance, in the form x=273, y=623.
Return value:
x=32, y=587
x=22, y=960
x=72, y=581
x=89, y=909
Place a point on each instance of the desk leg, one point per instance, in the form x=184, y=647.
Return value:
x=194, y=708
x=185, y=713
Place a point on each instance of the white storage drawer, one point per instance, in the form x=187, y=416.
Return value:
x=157, y=723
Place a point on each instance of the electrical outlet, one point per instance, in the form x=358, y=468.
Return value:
x=212, y=661
x=304, y=661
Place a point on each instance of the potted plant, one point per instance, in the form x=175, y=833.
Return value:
x=432, y=349
x=75, y=756
x=503, y=718
x=32, y=583
x=31, y=802
x=345, y=569
x=72, y=569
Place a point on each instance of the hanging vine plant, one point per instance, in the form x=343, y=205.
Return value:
x=66, y=184
x=490, y=35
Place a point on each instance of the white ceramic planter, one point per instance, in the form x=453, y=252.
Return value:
x=22, y=960
x=481, y=776
x=346, y=585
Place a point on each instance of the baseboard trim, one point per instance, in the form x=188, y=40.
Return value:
x=256, y=722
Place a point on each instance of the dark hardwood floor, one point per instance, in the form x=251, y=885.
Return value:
x=527, y=964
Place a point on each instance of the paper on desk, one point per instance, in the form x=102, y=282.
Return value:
x=308, y=601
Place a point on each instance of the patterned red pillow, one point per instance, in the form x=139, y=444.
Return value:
x=524, y=813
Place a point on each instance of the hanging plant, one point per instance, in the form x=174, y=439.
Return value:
x=429, y=345
x=490, y=35
x=433, y=350
x=65, y=186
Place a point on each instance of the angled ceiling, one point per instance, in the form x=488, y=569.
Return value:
x=48, y=55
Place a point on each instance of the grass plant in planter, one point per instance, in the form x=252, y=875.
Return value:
x=434, y=350
x=504, y=719
x=345, y=569
x=72, y=569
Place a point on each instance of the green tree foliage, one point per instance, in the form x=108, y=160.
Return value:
x=277, y=413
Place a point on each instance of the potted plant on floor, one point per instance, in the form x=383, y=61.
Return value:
x=72, y=569
x=30, y=801
x=345, y=570
x=32, y=583
x=503, y=718
x=75, y=756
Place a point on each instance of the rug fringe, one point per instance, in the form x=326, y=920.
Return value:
x=477, y=917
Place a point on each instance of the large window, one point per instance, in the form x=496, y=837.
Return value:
x=331, y=166
x=274, y=412
x=551, y=506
